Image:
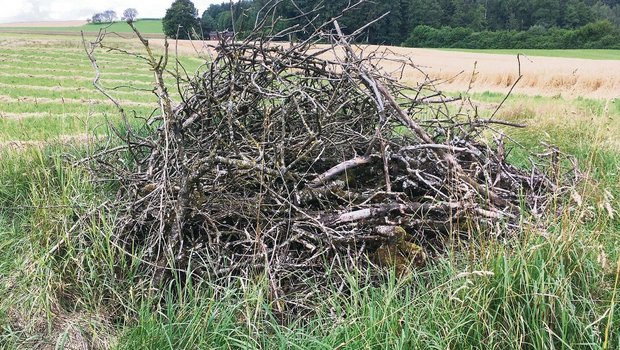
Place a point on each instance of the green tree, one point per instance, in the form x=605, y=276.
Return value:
x=207, y=23
x=224, y=21
x=244, y=15
x=425, y=12
x=577, y=14
x=180, y=19
x=481, y=17
x=521, y=12
x=547, y=12
x=602, y=11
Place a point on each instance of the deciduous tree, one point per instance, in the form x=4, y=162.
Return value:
x=130, y=14
x=180, y=19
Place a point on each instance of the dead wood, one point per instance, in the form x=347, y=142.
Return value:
x=292, y=160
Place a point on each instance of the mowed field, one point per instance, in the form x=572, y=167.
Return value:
x=47, y=92
x=553, y=286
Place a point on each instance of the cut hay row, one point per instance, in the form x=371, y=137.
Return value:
x=33, y=110
x=56, y=79
x=76, y=92
x=76, y=139
x=66, y=62
x=59, y=109
x=49, y=44
x=79, y=55
x=76, y=54
x=54, y=69
x=57, y=88
x=71, y=42
x=42, y=115
x=62, y=101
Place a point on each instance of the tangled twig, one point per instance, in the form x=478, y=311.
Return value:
x=292, y=161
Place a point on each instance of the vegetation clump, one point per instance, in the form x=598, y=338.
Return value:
x=448, y=23
x=180, y=19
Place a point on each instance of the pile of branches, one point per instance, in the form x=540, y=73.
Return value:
x=296, y=161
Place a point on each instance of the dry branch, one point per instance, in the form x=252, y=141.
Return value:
x=282, y=158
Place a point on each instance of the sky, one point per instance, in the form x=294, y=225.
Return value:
x=65, y=10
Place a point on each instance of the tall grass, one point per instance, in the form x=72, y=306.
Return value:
x=53, y=272
x=549, y=286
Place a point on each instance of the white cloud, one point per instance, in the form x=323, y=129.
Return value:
x=64, y=10
x=15, y=8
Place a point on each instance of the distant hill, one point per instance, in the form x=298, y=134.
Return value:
x=46, y=24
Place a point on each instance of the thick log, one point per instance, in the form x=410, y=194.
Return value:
x=339, y=169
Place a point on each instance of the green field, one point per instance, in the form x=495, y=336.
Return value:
x=36, y=80
x=552, y=286
x=147, y=26
x=591, y=54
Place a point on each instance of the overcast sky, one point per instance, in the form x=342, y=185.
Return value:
x=64, y=10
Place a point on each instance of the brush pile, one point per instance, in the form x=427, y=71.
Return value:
x=297, y=161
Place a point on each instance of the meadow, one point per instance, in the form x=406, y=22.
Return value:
x=146, y=26
x=46, y=88
x=553, y=285
x=591, y=54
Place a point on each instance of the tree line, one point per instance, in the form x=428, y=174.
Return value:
x=597, y=35
x=440, y=23
x=110, y=16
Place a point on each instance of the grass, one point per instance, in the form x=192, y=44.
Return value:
x=540, y=291
x=146, y=26
x=552, y=286
x=77, y=82
x=570, y=122
x=70, y=94
x=47, y=92
x=508, y=303
x=54, y=127
x=59, y=108
x=591, y=54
